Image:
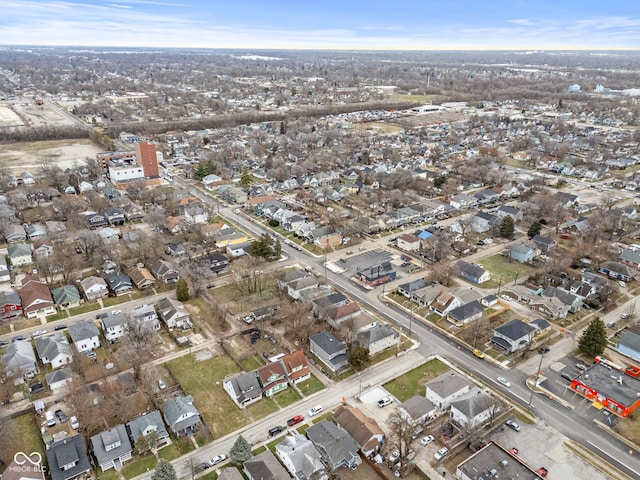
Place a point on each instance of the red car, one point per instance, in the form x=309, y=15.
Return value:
x=295, y=420
x=543, y=472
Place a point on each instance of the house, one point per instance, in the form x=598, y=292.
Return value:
x=115, y=216
x=118, y=283
x=42, y=249
x=489, y=300
x=149, y=426
x=544, y=244
x=541, y=325
x=329, y=350
x=272, y=378
x=630, y=258
x=473, y=272
x=445, y=388
x=175, y=249
x=19, y=360
x=472, y=409
x=67, y=459
x=378, y=338
x=284, y=279
x=173, y=314
x=513, y=335
x=114, y=325
x=14, y=233
x=147, y=316
x=264, y=466
x=443, y=303
x=132, y=212
x=376, y=274
x=59, y=378
x=94, y=288
x=466, y=313
x=407, y=289
x=66, y=296
x=95, y=220
x=320, y=305
x=573, y=302
x=111, y=448
x=296, y=287
x=231, y=473
x=509, y=211
x=629, y=344
x=300, y=457
x=408, y=242
x=551, y=307
x=165, y=272
x=142, y=278
x=181, y=415
x=325, y=237
x=521, y=253
x=19, y=254
x=617, y=271
x=483, y=222
x=54, y=350
x=463, y=201
x=567, y=200
x=337, y=448
x=5, y=274
x=35, y=297
x=338, y=314
x=417, y=409
x=243, y=388
x=84, y=335
x=218, y=262
x=10, y=306
x=296, y=367
x=363, y=429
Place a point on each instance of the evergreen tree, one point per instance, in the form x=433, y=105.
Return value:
x=164, y=471
x=534, y=229
x=439, y=180
x=241, y=451
x=246, y=179
x=182, y=290
x=277, y=249
x=507, y=227
x=594, y=339
x=359, y=358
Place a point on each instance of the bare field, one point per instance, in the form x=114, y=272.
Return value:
x=39, y=115
x=29, y=155
x=9, y=118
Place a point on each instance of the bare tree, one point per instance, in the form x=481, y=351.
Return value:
x=401, y=430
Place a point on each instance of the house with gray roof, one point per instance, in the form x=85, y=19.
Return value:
x=243, y=388
x=544, y=244
x=378, y=338
x=513, y=335
x=118, y=283
x=67, y=458
x=19, y=254
x=94, y=288
x=54, y=350
x=111, y=448
x=630, y=258
x=20, y=360
x=467, y=313
x=14, y=233
x=337, y=448
x=264, y=466
x=472, y=409
x=417, y=409
x=66, y=296
x=10, y=305
x=331, y=351
x=445, y=388
x=363, y=429
x=181, y=415
x=147, y=316
x=84, y=335
x=113, y=325
x=149, y=426
x=407, y=289
x=59, y=378
x=629, y=344
x=300, y=457
x=522, y=253
x=473, y=272
x=165, y=271
x=173, y=314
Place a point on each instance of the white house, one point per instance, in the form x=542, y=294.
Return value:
x=84, y=335
x=113, y=325
x=54, y=350
x=408, y=242
x=472, y=409
x=446, y=388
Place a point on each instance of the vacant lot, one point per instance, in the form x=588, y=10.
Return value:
x=503, y=270
x=17, y=157
x=412, y=383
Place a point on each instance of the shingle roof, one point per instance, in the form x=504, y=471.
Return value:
x=327, y=342
x=448, y=383
x=515, y=329
x=70, y=450
x=83, y=330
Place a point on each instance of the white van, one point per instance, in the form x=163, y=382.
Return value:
x=315, y=410
x=51, y=420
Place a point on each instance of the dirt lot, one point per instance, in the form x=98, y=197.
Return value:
x=18, y=157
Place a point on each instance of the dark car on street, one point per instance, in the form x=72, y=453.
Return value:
x=276, y=430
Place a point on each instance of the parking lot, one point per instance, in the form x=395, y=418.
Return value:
x=354, y=261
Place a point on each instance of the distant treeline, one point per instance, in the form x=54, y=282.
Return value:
x=32, y=134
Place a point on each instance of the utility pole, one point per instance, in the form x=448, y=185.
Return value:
x=535, y=385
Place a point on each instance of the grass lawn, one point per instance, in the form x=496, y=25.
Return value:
x=260, y=409
x=412, y=382
x=140, y=466
x=311, y=386
x=225, y=294
x=178, y=448
x=108, y=475
x=203, y=380
x=251, y=363
x=258, y=450
x=272, y=444
x=630, y=428
x=501, y=267
x=28, y=435
x=286, y=397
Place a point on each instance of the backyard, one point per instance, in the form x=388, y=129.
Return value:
x=412, y=383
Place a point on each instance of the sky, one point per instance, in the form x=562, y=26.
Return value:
x=325, y=24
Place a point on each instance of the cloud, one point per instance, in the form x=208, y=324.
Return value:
x=522, y=21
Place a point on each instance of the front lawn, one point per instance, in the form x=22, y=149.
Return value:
x=203, y=380
x=176, y=449
x=138, y=467
x=412, y=383
x=286, y=397
x=503, y=270
x=108, y=475
x=311, y=386
x=27, y=438
x=261, y=409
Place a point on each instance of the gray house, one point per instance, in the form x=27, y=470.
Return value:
x=54, y=350
x=331, y=351
x=264, y=466
x=146, y=425
x=243, y=388
x=522, y=253
x=466, y=313
x=337, y=448
x=181, y=415
x=473, y=272
x=84, y=335
x=111, y=448
x=20, y=360
x=513, y=335
x=67, y=458
x=300, y=457
x=379, y=338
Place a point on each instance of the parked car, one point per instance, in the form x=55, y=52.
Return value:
x=161, y=384
x=60, y=327
x=36, y=387
x=18, y=338
x=566, y=376
x=625, y=315
x=418, y=430
x=426, y=440
x=385, y=401
x=504, y=381
x=51, y=421
x=440, y=454
x=217, y=459
x=315, y=410
x=543, y=350
x=295, y=420
x=276, y=430
x=395, y=455
x=38, y=333
x=61, y=416
x=581, y=367
x=3, y=343
x=73, y=421
x=513, y=425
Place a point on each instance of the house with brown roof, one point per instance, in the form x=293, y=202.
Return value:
x=444, y=303
x=296, y=367
x=142, y=278
x=35, y=297
x=408, y=242
x=364, y=430
x=272, y=378
x=341, y=313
